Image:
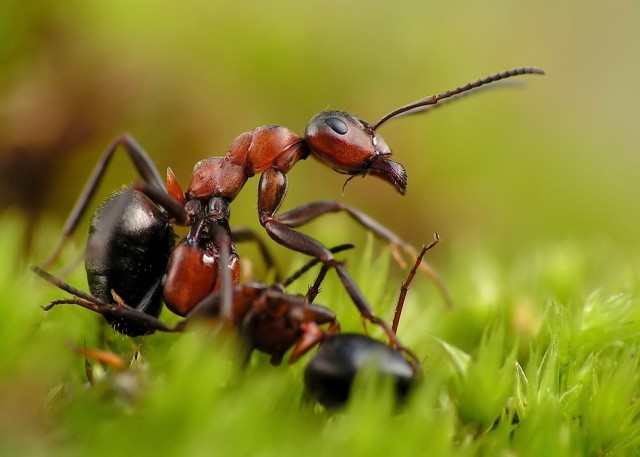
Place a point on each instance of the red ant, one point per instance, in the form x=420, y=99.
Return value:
x=269, y=319
x=130, y=256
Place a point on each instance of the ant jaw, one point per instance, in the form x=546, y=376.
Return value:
x=390, y=171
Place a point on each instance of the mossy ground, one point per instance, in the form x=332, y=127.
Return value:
x=538, y=357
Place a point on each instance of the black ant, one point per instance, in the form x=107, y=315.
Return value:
x=267, y=318
x=130, y=254
x=273, y=322
x=330, y=373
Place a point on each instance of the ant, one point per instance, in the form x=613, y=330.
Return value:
x=273, y=322
x=330, y=373
x=270, y=320
x=267, y=318
x=131, y=241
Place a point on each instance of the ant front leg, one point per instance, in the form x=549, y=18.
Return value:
x=304, y=214
x=273, y=188
x=142, y=163
x=125, y=319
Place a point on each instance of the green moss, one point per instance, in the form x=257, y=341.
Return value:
x=521, y=365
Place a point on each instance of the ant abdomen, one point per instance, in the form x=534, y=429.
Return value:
x=330, y=374
x=129, y=259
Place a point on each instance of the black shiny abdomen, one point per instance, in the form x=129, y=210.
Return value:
x=330, y=373
x=127, y=251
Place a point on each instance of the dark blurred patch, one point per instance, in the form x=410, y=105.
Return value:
x=63, y=95
x=55, y=101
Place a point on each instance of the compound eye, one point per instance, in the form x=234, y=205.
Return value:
x=337, y=125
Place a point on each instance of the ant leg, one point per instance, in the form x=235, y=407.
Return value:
x=405, y=286
x=300, y=242
x=223, y=241
x=312, y=335
x=307, y=213
x=88, y=301
x=315, y=288
x=272, y=189
x=141, y=161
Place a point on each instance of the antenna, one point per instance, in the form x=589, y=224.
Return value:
x=434, y=99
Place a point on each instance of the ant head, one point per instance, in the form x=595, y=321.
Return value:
x=351, y=146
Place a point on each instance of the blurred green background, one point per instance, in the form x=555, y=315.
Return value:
x=545, y=159
x=520, y=180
